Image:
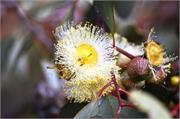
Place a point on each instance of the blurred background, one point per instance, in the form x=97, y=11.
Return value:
x=28, y=88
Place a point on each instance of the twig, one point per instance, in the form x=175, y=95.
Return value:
x=118, y=95
x=103, y=88
x=175, y=110
x=113, y=27
x=124, y=91
x=124, y=52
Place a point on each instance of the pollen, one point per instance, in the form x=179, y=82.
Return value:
x=154, y=53
x=86, y=55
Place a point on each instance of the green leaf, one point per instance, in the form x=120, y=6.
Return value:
x=106, y=10
x=106, y=107
x=124, y=8
x=149, y=104
x=6, y=47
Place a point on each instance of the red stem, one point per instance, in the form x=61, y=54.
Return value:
x=118, y=95
x=114, y=43
x=118, y=91
x=175, y=110
x=121, y=90
x=103, y=88
x=124, y=53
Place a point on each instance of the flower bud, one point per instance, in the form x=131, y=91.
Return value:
x=175, y=80
x=138, y=69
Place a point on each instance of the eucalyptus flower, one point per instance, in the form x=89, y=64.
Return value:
x=159, y=61
x=84, y=57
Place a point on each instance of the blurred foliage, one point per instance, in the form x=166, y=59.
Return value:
x=27, y=46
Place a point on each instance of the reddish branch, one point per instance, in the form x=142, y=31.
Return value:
x=118, y=92
x=175, y=111
x=103, y=88
x=121, y=90
x=114, y=43
x=124, y=52
x=118, y=95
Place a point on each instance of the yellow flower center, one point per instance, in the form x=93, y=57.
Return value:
x=86, y=55
x=175, y=80
x=154, y=53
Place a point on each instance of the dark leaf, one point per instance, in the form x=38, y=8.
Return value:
x=106, y=107
x=106, y=11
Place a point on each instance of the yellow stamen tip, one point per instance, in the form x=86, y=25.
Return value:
x=174, y=80
x=154, y=53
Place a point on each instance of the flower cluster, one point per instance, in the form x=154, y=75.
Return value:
x=85, y=56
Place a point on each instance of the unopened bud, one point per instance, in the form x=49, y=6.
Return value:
x=138, y=69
